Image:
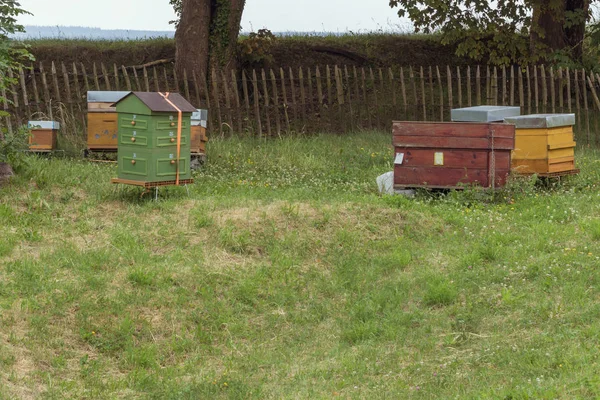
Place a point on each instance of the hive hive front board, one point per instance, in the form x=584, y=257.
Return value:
x=148, y=138
x=544, y=144
x=451, y=155
x=484, y=113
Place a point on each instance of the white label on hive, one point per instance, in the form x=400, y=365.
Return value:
x=399, y=159
x=171, y=156
x=134, y=116
x=171, y=134
x=134, y=133
x=438, y=159
x=170, y=117
x=134, y=155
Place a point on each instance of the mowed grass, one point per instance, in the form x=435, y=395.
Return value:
x=284, y=275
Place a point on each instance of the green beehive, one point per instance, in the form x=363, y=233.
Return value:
x=147, y=138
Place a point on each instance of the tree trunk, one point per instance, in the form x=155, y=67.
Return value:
x=207, y=35
x=551, y=31
x=192, y=37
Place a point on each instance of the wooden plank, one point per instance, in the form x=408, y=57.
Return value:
x=340, y=96
x=512, y=86
x=577, y=97
x=450, y=94
x=246, y=94
x=544, y=88
x=521, y=91
x=105, y=75
x=349, y=92
x=561, y=87
x=452, y=129
x=47, y=98
x=431, y=93
x=24, y=92
x=536, y=91
x=439, y=78
x=382, y=110
x=423, y=94
x=166, y=80
x=36, y=93
x=494, y=87
x=319, y=89
x=311, y=97
x=57, y=93
x=504, y=79
x=13, y=90
x=215, y=87
x=127, y=80
x=403, y=89
x=96, y=80
x=186, y=86
x=236, y=98
x=85, y=78
x=585, y=106
x=594, y=94
x=393, y=87
x=375, y=97
x=478, y=86
x=469, y=89
x=156, y=83
x=76, y=79
x=552, y=91
x=451, y=142
x=357, y=96
x=329, y=95
x=459, y=80
x=67, y=83
x=146, y=80
x=138, y=86
x=117, y=83
x=266, y=96
x=366, y=99
x=528, y=89
x=256, y=101
x=413, y=85
x=275, y=101
x=302, y=95
x=285, y=99
x=227, y=100
x=488, y=87
x=293, y=103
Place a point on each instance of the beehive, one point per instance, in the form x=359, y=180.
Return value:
x=198, y=131
x=544, y=144
x=451, y=155
x=484, y=113
x=102, y=125
x=147, y=139
x=43, y=135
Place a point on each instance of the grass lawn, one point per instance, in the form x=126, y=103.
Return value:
x=284, y=275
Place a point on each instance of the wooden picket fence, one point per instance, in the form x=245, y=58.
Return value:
x=271, y=103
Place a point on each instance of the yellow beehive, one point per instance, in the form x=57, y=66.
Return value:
x=102, y=120
x=544, y=144
x=43, y=135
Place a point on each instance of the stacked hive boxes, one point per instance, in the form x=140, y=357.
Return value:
x=102, y=120
x=43, y=135
x=148, y=136
x=544, y=144
x=198, y=131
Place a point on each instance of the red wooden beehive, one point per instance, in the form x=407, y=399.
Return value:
x=450, y=155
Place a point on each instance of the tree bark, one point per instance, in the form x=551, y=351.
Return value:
x=207, y=35
x=550, y=31
x=192, y=37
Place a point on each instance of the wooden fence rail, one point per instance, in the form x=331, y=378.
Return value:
x=321, y=99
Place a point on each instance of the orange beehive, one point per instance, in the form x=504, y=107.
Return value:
x=102, y=120
x=198, y=131
x=43, y=135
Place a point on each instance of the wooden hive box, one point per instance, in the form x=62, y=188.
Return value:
x=449, y=155
x=43, y=135
x=147, y=139
x=198, y=131
x=102, y=124
x=544, y=144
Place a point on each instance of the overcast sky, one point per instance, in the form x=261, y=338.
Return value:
x=276, y=15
